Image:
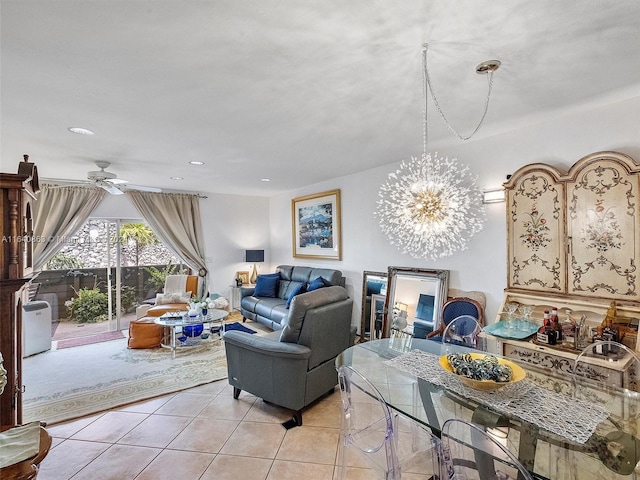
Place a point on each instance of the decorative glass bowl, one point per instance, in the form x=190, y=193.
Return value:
x=518, y=373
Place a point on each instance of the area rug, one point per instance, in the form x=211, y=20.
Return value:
x=100, y=337
x=237, y=326
x=73, y=382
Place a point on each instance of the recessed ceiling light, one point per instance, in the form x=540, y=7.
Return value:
x=265, y=179
x=81, y=131
x=177, y=178
x=196, y=162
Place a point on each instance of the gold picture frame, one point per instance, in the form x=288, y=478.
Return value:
x=315, y=226
x=244, y=276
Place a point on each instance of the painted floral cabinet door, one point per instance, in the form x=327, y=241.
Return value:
x=603, y=227
x=535, y=227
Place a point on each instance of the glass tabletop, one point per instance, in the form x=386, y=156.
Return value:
x=611, y=451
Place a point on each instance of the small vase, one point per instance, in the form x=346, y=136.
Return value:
x=204, y=311
x=193, y=331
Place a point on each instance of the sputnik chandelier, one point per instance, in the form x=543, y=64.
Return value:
x=431, y=206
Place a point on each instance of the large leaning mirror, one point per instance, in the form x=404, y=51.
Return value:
x=414, y=298
x=374, y=290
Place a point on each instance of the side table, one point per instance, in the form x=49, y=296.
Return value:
x=235, y=298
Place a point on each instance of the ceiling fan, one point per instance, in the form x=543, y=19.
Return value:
x=110, y=182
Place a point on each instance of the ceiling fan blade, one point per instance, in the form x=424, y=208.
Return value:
x=143, y=188
x=112, y=189
x=116, y=181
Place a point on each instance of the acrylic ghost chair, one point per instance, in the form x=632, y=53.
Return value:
x=470, y=453
x=464, y=331
x=382, y=438
x=622, y=383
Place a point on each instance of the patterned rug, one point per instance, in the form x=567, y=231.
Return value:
x=73, y=382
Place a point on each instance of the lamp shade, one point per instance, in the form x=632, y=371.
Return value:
x=255, y=256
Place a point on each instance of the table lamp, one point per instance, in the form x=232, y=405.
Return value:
x=255, y=256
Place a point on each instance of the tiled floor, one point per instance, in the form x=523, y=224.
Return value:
x=200, y=434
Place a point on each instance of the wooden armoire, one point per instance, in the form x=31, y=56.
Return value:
x=17, y=192
x=576, y=234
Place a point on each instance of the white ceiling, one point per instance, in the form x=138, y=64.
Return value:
x=296, y=91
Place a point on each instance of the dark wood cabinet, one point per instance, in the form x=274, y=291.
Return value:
x=17, y=191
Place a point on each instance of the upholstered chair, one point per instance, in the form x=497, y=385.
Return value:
x=294, y=366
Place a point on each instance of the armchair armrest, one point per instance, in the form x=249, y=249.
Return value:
x=246, y=291
x=438, y=331
x=266, y=346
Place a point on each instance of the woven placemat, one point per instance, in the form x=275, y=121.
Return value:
x=524, y=400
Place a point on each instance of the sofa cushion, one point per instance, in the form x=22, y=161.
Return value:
x=298, y=289
x=169, y=298
x=317, y=283
x=159, y=310
x=267, y=285
x=334, y=277
x=266, y=306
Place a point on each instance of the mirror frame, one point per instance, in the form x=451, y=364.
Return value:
x=393, y=272
x=365, y=318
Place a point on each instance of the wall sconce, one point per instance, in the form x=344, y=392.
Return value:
x=493, y=196
x=255, y=256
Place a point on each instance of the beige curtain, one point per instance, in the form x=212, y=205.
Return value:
x=58, y=213
x=175, y=219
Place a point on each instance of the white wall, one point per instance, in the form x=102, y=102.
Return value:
x=560, y=141
x=231, y=225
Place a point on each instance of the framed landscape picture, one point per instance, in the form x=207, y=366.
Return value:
x=316, y=226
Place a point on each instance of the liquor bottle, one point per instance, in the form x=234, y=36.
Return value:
x=610, y=331
x=602, y=349
x=569, y=333
x=555, y=324
x=552, y=334
x=546, y=334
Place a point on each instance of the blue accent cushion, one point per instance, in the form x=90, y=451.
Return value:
x=316, y=284
x=298, y=289
x=266, y=286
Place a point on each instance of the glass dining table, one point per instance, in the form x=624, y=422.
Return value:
x=559, y=428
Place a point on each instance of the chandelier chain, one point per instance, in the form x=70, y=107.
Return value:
x=429, y=84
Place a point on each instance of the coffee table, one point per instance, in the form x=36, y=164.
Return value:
x=216, y=316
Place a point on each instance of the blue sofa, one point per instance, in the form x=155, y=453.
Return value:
x=271, y=311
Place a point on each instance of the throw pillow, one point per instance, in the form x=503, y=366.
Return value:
x=266, y=286
x=169, y=298
x=298, y=289
x=317, y=283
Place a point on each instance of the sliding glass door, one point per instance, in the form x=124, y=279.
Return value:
x=103, y=273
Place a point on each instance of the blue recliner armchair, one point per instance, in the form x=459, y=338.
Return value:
x=294, y=366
